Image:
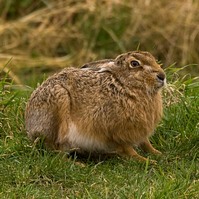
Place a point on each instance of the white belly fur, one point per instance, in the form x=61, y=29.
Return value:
x=83, y=140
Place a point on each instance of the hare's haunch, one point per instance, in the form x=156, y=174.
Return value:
x=104, y=106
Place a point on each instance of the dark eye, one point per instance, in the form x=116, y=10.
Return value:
x=135, y=63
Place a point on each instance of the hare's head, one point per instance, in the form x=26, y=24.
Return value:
x=136, y=69
x=142, y=70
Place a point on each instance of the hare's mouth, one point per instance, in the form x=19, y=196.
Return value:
x=161, y=82
x=161, y=79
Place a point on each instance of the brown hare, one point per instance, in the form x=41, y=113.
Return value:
x=106, y=106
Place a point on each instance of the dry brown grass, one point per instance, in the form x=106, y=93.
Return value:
x=69, y=32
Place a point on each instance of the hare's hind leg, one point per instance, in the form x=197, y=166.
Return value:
x=47, y=119
x=41, y=123
x=62, y=140
x=64, y=122
x=147, y=147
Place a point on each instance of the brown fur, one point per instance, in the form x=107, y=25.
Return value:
x=106, y=106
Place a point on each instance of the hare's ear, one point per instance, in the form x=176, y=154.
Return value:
x=85, y=66
x=89, y=67
x=106, y=67
x=100, y=68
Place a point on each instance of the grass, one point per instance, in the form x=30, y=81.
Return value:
x=68, y=32
x=29, y=171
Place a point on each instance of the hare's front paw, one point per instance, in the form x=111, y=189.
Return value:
x=147, y=147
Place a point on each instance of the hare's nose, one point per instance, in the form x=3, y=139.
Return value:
x=161, y=76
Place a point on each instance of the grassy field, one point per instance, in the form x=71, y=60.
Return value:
x=40, y=37
x=29, y=171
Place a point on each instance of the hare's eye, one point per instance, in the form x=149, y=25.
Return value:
x=135, y=63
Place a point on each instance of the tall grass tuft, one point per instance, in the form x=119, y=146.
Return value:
x=68, y=32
